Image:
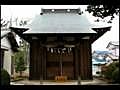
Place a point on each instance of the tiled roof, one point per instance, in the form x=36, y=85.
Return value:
x=115, y=42
x=60, y=22
x=98, y=61
x=102, y=52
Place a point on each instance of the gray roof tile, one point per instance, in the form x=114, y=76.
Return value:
x=60, y=23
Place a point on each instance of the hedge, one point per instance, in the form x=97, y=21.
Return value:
x=5, y=77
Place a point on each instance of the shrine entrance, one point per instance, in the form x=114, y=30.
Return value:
x=60, y=62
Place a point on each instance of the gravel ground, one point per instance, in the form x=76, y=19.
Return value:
x=92, y=82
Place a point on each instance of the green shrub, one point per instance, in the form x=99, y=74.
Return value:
x=109, y=71
x=5, y=77
x=116, y=76
x=112, y=72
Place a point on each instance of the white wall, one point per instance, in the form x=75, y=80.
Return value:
x=7, y=54
x=5, y=43
x=95, y=69
x=7, y=61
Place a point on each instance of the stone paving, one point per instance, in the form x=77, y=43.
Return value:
x=28, y=82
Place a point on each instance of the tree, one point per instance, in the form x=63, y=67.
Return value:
x=4, y=23
x=103, y=11
x=24, y=46
x=20, y=63
x=18, y=22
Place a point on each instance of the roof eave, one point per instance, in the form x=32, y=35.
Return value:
x=100, y=31
x=13, y=42
x=19, y=30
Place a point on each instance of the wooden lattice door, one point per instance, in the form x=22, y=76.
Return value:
x=60, y=63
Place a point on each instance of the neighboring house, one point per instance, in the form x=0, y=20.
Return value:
x=101, y=56
x=113, y=47
x=96, y=67
x=8, y=47
x=99, y=59
x=100, y=53
x=104, y=58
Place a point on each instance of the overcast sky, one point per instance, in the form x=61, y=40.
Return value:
x=29, y=11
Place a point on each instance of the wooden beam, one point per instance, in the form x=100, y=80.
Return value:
x=57, y=43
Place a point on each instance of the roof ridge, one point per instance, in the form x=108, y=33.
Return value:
x=68, y=10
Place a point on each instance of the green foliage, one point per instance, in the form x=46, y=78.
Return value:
x=109, y=71
x=5, y=77
x=19, y=61
x=116, y=76
x=112, y=72
x=103, y=11
x=20, y=65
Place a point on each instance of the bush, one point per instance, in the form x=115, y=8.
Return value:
x=112, y=72
x=116, y=76
x=5, y=77
x=110, y=69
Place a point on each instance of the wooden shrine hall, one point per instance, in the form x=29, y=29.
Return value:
x=60, y=44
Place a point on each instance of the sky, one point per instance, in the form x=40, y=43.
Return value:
x=29, y=12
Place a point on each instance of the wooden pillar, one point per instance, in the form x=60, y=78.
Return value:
x=90, y=62
x=31, y=68
x=44, y=63
x=77, y=62
x=85, y=59
x=37, y=61
x=41, y=63
x=81, y=60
